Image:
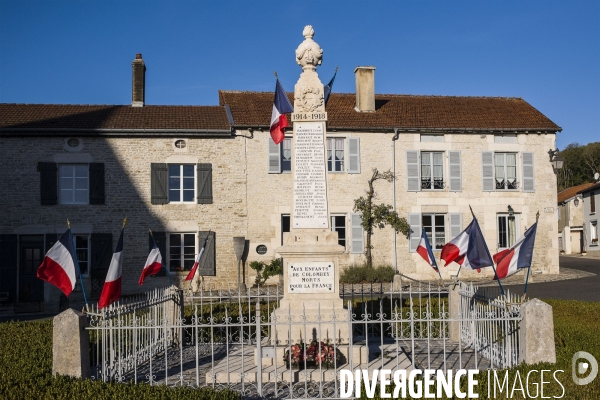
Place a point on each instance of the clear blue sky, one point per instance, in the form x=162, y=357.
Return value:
x=80, y=52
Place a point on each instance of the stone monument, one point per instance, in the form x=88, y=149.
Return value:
x=310, y=251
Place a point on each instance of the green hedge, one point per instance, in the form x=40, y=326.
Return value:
x=366, y=273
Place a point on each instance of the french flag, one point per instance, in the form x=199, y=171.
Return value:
x=424, y=250
x=192, y=273
x=153, y=263
x=468, y=249
x=281, y=106
x=58, y=266
x=111, y=291
x=519, y=256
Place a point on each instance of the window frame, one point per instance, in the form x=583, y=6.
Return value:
x=282, y=162
x=594, y=233
x=88, y=255
x=181, y=186
x=505, y=166
x=61, y=200
x=289, y=225
x=182, y=254
x=517, y=233
x=343, y=163
x=433, y=227
x=340, y=217
x=432, y=184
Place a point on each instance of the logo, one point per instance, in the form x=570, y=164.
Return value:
x=590, y=364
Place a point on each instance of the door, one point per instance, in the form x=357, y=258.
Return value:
x=31, y=255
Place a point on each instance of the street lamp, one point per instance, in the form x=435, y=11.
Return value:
x=239, y=245
x=556, y=160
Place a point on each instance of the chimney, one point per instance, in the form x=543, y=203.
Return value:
x=365, y=89
x=138, y=86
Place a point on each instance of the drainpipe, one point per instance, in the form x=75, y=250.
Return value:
x=396, y=135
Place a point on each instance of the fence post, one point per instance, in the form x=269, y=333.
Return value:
x=536, y=333
x=258, y=352
x=70, y=344
x=454, y=312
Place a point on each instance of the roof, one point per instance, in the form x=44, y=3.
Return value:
x=568, y=193
x=593, y=186
x=36, y=118
x=253, y=109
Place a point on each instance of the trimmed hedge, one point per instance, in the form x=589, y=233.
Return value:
x=366, y=273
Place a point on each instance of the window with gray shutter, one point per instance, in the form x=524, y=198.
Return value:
x=207, y=266
x=354, y=155
x=101, y=255
x=414, y=220
x=487, y=171
x=158, y=183
x=455, y=225
x=204, y=176
x=48, y=183
x=455, y=171
x=8, y=265
x=412, y=171
x=358, y=234
x=528, y=180
x=96, y=171
x=161, y=241
x=274, y=156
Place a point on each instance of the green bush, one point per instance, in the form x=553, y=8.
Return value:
x=264, y=271
x=366, y=273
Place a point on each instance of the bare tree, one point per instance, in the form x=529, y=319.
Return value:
x=378, y=215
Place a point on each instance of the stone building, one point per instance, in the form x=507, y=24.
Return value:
x=589, y=196
x=570, y=219
x=182, y=171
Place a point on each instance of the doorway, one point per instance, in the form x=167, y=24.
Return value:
x=31, y=252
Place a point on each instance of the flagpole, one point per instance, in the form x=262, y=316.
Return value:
x=77, y=262
x=203, y=245
x=537, y=217
x=494, y=268
x=162, y=261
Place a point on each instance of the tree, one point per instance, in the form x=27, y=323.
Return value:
x=581, y=163
x=378, y=215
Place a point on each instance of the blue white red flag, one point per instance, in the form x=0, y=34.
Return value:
x=281, y=106
x=327, y=88
x=468, y=249
x=424, y=250
x=153, y=263
x=111, y=291
x=518, y=256
x=58, y=266
x=192, y=273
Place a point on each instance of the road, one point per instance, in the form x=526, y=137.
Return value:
x=587, y=289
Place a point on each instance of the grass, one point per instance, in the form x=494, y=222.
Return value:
x=26, y=364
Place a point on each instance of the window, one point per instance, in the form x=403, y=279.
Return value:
x=432, y=170
x=73, y=183
x=505, y=171
x=182, y=179
x=285, y=225
x=335, y=155
x=338, y=224
x=286, y=155
x=182, y=251
x=82, y=251
x=592, y=203
x=508, y=227
x=435, y=228
x=594, y=233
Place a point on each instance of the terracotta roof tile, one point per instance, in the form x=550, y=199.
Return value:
x=90, y=117
x=593, y=186
x=402, y=111
x=566, y=194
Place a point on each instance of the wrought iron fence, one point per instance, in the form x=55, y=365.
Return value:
x=229, y=339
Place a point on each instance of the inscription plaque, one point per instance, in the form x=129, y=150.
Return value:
x=310, y=187
x=311, y=277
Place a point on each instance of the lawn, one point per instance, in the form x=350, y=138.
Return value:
x=26, y=364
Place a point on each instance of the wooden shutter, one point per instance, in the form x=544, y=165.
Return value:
x=354, y=155
x=207, y=266
x=48, y=183
x=101, y=251
x=528, y=180
x=455, y=171
x=592, y=202
x=358, y=234
x=274, y=156
x=96, y=183
x=414, y=220
x=159, y=177
x=161, y=242
x=412, y=171
x=487, y=171
x=8, y=265
x=204, y=176
x=455, y=225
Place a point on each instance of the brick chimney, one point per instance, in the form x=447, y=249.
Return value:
x=365, y=89
x=138, y=86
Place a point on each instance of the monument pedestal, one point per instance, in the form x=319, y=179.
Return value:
x=311, y=308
